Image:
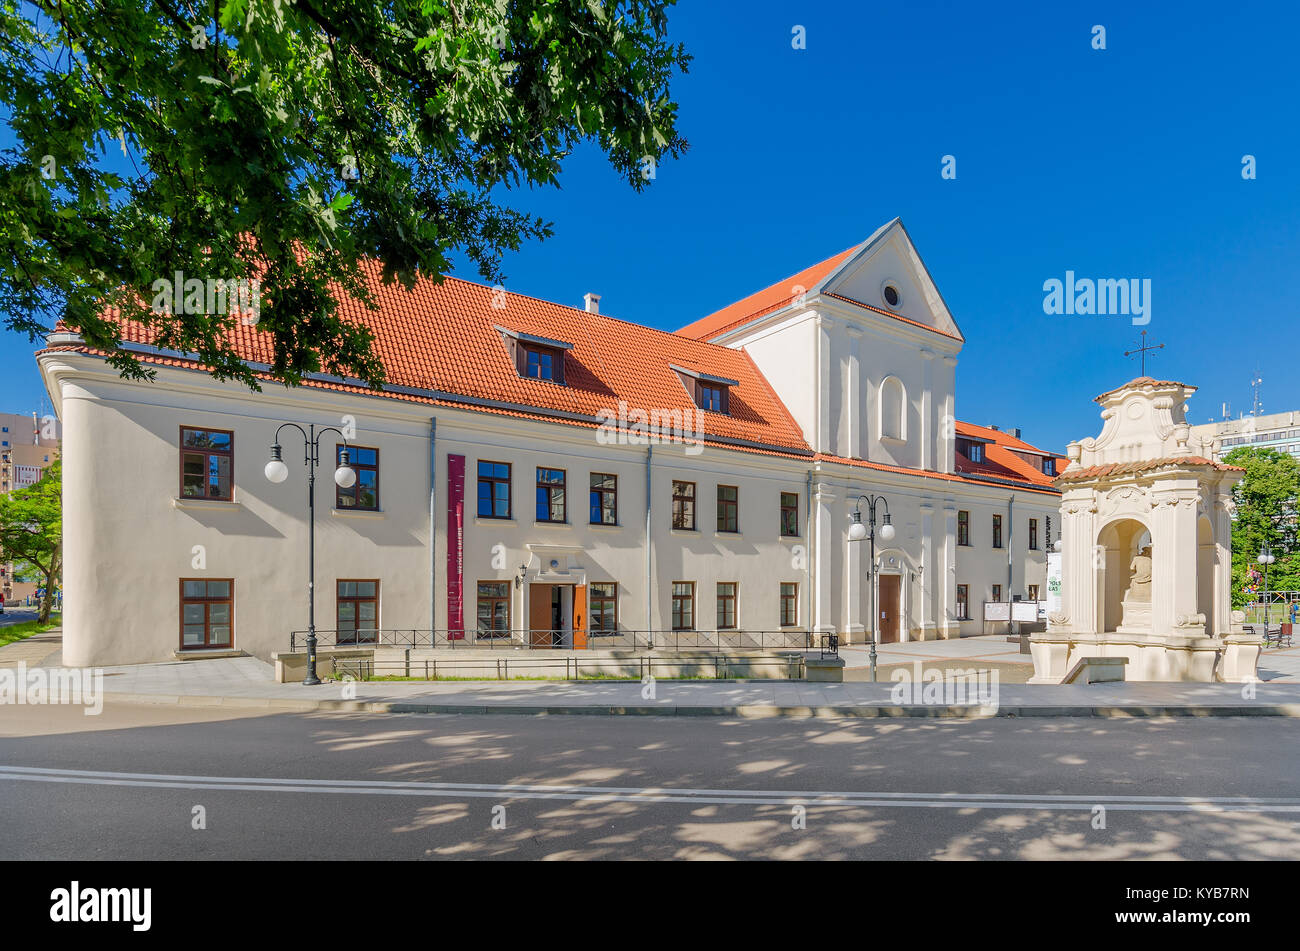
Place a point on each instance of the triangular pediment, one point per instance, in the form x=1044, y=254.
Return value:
x=886, y=275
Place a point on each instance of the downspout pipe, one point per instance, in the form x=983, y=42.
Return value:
x=1011, y=544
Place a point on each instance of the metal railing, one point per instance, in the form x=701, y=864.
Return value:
x=725, y=640
x=712, y=666
x=1278, y=606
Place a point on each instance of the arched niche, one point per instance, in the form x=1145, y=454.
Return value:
x=893, y=409
x=1117, y=542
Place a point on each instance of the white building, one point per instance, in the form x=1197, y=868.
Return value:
x=1280, y=431
x=512, y=478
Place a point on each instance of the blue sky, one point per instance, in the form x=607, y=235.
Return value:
x=1116, y=163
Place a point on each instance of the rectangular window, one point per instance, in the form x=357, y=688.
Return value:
x=1049, y=467
x=963, y=602
x=493, y=489
x=550, y=495
x=604, y=607
x=207, y=463
x=207, y=613
x=1033, y=592
x=684, y=505
x=683, y=605
x=708, y=397
x=364, y=493
x=493, y=609
x=1033, y=535
x=790, y=514
x=789, y=604
x=997, y=531
x=604, y=499
x=728, y=508
x=540, y=364
x=963, y=528
x=357, y=612
x=997, y=592
x=726, y=605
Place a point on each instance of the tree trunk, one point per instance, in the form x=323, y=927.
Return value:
x=47, y=602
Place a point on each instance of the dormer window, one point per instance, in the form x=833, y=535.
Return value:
x=712, y=393
x=709, y=397
x=972, y=449
x=1049, y=466
x=536, y=358
x=539, y=363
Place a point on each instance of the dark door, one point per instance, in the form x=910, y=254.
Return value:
x=889, y=609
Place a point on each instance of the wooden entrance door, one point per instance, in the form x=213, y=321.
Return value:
x=889, y=609
x=539, y=615
x=580, y=617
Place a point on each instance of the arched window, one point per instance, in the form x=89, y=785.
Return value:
x=893, y=409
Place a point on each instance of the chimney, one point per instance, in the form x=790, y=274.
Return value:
x=992, y=427
x=1015, y=433
x=591, y=303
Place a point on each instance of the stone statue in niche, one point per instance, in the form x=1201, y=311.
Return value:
x=1139, y=585
x=1137, y=598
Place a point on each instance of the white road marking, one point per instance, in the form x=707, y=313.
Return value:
x=653, y=794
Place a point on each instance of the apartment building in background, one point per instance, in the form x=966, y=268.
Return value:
x=1280, y=431
x=28, y=444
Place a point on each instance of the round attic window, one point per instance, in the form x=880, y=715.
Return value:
x=891, y=295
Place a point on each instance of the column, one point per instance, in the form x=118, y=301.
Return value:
x=945, y=578
x=1079, y=572
x=855, y=587
x=828, y=535
x=928, y=574
x=1221, y=623
x=927, y=435
x=855, y=402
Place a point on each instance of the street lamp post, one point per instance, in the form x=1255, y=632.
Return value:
x=857, y=532
x=345, y=477
x=1266, y=558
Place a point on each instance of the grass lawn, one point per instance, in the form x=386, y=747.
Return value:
x=17, y=632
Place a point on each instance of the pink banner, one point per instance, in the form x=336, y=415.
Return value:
x=455, y=547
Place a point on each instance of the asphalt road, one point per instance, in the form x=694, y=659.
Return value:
x=126, y=784
x=18, y=615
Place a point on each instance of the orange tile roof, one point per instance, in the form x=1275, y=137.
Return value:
x=1142, y=381
x=1014, y=481
x=765, y=301
x=1000, y=459
x=440, y=341
x=1145, y=465
x=442, y=337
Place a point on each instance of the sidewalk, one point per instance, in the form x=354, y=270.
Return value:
x=246, y=682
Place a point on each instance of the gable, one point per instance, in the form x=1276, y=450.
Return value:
x=886, y=275
x=857, y=277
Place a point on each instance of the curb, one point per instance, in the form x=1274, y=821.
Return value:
x=743, y=711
